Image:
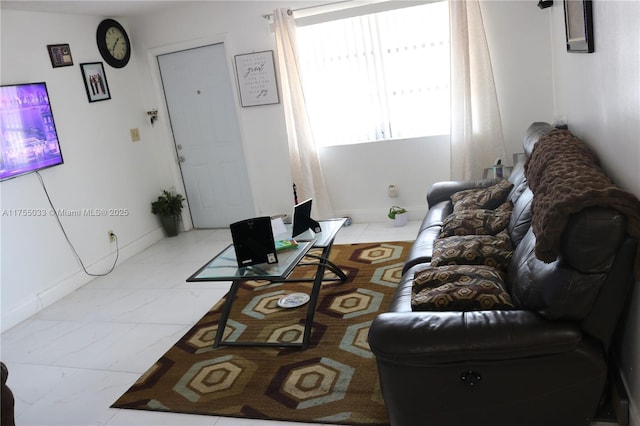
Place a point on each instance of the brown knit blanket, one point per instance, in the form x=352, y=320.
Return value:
x=565, y=177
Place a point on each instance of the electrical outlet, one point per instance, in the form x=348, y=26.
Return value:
x=112, y=236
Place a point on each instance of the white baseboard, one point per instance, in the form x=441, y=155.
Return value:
x=68, y=285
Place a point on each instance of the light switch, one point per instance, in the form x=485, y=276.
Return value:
x=135, y=135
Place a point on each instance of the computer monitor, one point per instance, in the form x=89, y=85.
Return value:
x=302, y=219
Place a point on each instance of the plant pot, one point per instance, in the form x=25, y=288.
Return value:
x=401, y=219
x=170, y=225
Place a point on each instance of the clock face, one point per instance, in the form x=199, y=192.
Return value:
x=113, y=43
x=116, y=43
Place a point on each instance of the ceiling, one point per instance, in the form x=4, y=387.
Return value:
x=111, y=8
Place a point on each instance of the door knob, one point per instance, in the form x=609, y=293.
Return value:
x=179, y=146
x=181, y=158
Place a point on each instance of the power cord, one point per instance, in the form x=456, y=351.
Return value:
x=55, y=213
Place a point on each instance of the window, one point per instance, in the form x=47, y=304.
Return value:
x=379, y=76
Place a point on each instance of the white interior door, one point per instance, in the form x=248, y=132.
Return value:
x=206, y=132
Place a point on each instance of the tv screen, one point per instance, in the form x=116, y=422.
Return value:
x=28, y=137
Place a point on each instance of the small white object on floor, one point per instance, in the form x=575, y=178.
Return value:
x=293, y=300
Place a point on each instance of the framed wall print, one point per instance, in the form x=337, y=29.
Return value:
x=257, y=79
x=578, y=20
x=95, y=81
x=60, y=55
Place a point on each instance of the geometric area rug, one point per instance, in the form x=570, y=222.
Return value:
x=335, y=380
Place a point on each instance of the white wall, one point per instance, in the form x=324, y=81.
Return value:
x=102, y=169
x=358, y=176
x=520, y=42
x=599, y=94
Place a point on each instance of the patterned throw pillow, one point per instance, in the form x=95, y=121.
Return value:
x=477, y=222
x=482, y=198
x=459, y=288
x=490, y=250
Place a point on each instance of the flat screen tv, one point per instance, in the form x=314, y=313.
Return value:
x=28, y=136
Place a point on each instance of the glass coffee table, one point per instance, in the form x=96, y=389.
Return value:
x=224, y=267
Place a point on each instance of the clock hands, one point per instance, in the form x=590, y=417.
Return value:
x=112, y=50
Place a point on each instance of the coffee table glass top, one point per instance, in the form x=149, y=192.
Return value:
x=224, y=267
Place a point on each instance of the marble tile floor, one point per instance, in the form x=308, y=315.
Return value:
x=71, y=361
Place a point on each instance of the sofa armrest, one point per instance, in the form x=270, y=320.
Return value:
x=442, y=191
x=420, y=338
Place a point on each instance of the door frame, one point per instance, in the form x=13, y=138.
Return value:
x=161, y=105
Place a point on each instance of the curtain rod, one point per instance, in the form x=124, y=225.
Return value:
x=291, y=11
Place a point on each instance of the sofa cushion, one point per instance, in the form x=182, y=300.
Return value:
x=441, y=191
x=518, y=189
x=477, y=222
x=517, y=177
x=482, y=198
x=459, y=288
x=568, y=287
x=489, y=250
x=520, y=220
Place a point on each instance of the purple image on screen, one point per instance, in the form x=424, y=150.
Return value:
x=28, y=136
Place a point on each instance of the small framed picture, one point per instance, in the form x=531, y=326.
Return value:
x=257, y=78
x=60, y=55
x=95, y=81
x=578, y=20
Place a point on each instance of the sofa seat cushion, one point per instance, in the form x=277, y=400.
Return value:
x=477, y=222
x=459, y=288
x=490, y=250
x=482, y=198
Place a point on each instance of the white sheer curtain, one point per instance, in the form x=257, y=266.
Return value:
x=476, y=127
x=303, y=156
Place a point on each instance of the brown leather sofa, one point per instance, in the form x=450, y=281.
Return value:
x=544, y=362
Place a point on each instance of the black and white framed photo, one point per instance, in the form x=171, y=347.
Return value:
x=578, y=19
x=95, y=81
x=257, y=78
x=60, y=55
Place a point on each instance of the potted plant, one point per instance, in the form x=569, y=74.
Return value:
x=399, y=215
x=168, y=207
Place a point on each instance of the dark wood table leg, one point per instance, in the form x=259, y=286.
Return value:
x=226, y=311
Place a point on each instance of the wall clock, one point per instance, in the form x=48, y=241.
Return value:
x=113, y=43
